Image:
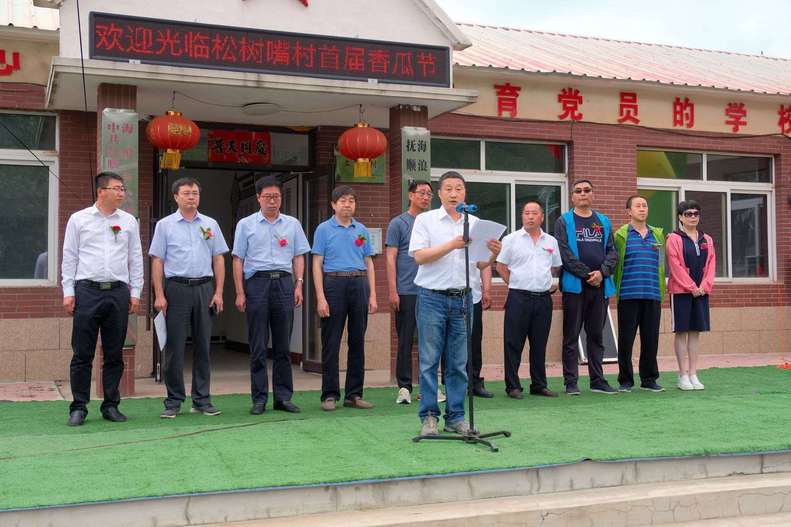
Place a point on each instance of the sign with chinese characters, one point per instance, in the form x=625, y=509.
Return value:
x=241, y=147
x=415, y=157
x=24, y=61
x=9, y=64
x=344, y=170
x=175, y=43
x=118, y=151
x=649, y=105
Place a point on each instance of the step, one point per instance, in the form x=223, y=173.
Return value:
x=732, y=498
x=763, y=520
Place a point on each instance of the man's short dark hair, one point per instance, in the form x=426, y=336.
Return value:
x=528, y=202
x=415, y=183
x=341, y=191
x=184, y=182
x=631, y=198
x=266, y=182
x=451, y=174
x=581, y=181
x=689, y=204
x=103, y=179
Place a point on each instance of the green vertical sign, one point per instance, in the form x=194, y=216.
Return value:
x=119, y=152
x=415, y=157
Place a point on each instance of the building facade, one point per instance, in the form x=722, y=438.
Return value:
x=520, y=114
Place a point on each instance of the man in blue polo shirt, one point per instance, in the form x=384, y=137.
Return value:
x=343, y=276
x=268, y=273
x=401, y=271
x=640, y=284
x=188, y=273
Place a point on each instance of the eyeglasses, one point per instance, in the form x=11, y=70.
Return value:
x=115, y=189
x=271, y=197
x=586, y=190
x=193, y=194
x=691, y=213
x=424, y=194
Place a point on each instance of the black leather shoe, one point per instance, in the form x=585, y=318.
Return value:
x=112, y=414
x=77, y=417
x=287, y=406
x=258, y=408
x=515, y=393
x=480, y=390
x=544, y=392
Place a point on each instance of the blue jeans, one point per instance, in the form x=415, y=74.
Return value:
x=441, y=331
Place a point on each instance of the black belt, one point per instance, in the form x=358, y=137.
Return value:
x=532, y=293
x=272, y=275
x=102, y=286
x=347, y=274
x=450, y=292
x=191, y=281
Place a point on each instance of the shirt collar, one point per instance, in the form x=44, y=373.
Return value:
x=334, y=222
x=261, y=218
x=198, y=218
x=95, y=210
x=444, y=214
x=540, y=237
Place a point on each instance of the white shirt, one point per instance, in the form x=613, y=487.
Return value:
x=530, y=262
x=434, y=228
x=91, y=251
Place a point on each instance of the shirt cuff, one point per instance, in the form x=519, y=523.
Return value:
x=68, y=291
x=135, y=293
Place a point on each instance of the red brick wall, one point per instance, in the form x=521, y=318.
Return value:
x=606, y=155
x=77, y=162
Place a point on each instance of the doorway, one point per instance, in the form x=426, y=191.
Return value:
x=228, y=195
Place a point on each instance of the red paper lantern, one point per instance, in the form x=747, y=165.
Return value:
x=361, y=144
x=172, y=133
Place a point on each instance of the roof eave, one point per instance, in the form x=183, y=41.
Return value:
x=434, y=12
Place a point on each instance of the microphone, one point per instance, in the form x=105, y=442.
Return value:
x=469, y=208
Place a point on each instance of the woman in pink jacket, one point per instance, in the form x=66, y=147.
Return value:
x=691, y=263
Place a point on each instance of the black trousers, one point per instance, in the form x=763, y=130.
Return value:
x=188, y=306
x=476, y=344
x=643, y=314
x=348, y=299
x=270, y=307
x=527, y=316
x=97, y=310
x=406, y=327
x=588, y=308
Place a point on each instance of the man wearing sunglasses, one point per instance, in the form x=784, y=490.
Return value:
x=589, y=259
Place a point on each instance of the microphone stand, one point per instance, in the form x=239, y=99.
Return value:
x=474, y=437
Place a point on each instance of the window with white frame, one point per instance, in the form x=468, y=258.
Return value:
x=502, y=175
x=28, y=199
x=736, y=194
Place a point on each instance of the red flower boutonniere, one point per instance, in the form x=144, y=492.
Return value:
x=282, y=242
x=360, y=240
x=704, y=245
x=207, y=233
x=115, y=229
x=597, y=228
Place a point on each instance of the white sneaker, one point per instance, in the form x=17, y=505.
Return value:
x=441, y=396
x=684, y=384
x=404, y=397
x=696, y=384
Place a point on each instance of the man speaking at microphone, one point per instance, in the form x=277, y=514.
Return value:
x=437, y=245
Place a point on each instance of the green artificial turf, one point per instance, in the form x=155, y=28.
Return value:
x=44, y=462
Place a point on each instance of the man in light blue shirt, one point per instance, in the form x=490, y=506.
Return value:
x=343, y=275
x=268, y=273
x=188, y=274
